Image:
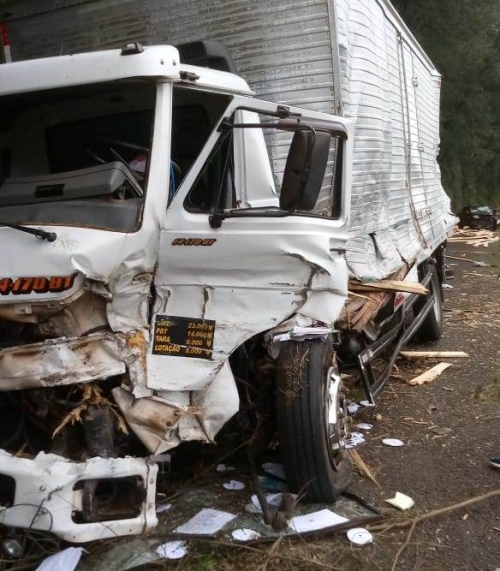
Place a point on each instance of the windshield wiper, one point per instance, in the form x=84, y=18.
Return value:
x=37, y=232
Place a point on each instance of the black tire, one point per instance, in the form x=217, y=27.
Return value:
x=312, y=464
x=432, y=326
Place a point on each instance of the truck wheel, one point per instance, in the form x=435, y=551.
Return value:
x=312, y=420
x=432, y=326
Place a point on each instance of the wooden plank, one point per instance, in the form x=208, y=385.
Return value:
x=434, y=354
x=430, y=375
x=460, y=259
x=390, y=285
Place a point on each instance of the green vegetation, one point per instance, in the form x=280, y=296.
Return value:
x=462, y=37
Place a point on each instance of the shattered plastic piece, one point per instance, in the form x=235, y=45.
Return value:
x=359, y=536
x=401, y=501
x=366, y=403
x=317, y=520
x=303, y=333
x=395, y=442
x=233, y=485
x=206, y=522
x=172, y=550
x=272, y=499
x=355, y=439
x=65, y=560
x=224, y=468
x=274, y=469
x=245, y=534
x=163, y=508
x=364, y=426
x=353, y=407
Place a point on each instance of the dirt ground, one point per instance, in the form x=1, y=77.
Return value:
x=440, y=467
x=450, y=428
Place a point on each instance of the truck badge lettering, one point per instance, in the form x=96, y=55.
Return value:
x=194, y=241
x=36, y=284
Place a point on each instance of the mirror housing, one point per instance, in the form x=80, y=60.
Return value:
x=305, y=169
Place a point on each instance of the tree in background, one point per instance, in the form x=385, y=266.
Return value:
x=462, y=37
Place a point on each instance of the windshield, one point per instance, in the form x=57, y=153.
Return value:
x=76, y=156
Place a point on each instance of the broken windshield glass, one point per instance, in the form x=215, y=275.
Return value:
x=77, y=156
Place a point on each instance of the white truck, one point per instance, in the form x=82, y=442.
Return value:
x=175, y=250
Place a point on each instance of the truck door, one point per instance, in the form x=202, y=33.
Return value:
x=221, y=281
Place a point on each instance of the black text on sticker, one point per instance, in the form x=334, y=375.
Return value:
x=37, y=284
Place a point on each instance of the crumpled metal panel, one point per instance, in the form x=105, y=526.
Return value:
x=399, y=210
x=45, y=495
x=163, y=421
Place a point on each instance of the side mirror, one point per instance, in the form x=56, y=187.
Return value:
x=305, y=170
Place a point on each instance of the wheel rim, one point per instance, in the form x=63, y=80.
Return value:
x=336, y=417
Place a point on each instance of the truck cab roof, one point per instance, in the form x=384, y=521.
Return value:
x=113, y=65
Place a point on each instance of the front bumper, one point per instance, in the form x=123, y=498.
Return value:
x=49, y=493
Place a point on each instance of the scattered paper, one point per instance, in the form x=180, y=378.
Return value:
x=447, y=286
x=364, y=426
x=233, y=485
x=245, y=535
x=163, y=508
x=315, y=521
x=274, y=469
x=65, y=560
x=355, y=439
x=172, y=550
x=481, y=265
x=401, y=501
x=206, y=522
x=353, y=407
x=367, y=403
x=359, y=536
x=393, y=442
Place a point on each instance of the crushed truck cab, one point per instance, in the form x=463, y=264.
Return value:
x=146, y=237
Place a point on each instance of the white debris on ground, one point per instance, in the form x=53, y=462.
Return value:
x=315, y=521
x=172, y=550
x=245, y=535
x=359, y=536
x=401, y=501
x=394, y=442
x=354, y=440
x=206, y=522
x=65, y=560
x=233, y=485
